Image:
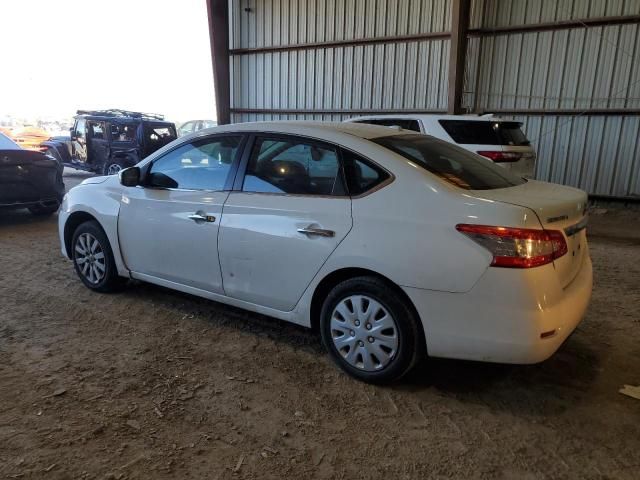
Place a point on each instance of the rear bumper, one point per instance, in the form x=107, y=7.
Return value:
x=510, y=316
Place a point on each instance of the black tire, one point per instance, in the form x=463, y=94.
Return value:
x=109, y=281
x=52, y=152
x=113, y=164
x=408, y=333
x=44, y=210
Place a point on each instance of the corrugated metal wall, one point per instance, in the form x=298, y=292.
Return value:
x=595, y=67
x=387, y=75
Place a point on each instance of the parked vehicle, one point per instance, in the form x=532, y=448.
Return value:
x=195, y=125
x=30, y=137
x=106, y=141
x=392, y=243
x=502, y=141
x=29, y=179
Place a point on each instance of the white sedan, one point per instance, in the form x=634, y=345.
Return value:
x=392, y=244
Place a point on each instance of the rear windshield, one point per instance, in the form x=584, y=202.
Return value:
x=7, y=144
x=485, y=133
x=453, y=164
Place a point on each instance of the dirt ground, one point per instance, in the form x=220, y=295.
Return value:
x=150, y=383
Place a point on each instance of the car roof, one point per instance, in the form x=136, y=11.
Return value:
x=306, y=128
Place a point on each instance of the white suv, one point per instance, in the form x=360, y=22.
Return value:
x=500, y=140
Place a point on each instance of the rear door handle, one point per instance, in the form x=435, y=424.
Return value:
x=317, y=231
x=198, y=218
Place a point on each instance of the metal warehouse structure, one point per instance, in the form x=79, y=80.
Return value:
x=567, y=69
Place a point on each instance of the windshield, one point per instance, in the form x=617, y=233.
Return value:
x=478, y=132
x=453, y=164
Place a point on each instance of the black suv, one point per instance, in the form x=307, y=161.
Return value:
x=106, y=141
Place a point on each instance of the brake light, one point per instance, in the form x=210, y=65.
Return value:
x=501, y=157
x=517, y=247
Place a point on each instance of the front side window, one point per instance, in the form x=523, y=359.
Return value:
x=201, y=165
x=293, y=167
x=451, y=163
x=80, y=126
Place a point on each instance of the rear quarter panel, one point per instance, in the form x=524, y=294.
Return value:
x=406, y=231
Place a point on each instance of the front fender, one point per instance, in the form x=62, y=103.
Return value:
x=100, y=201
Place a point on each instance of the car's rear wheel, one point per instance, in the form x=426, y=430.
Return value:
x=113, y=166
x=369, y=330
x=93, y=258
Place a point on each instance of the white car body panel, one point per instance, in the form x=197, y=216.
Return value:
x=404, y=231
x=154, y=224
x=259, y=236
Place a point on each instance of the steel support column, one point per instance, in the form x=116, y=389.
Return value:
x=457, y=55
x=218, y=15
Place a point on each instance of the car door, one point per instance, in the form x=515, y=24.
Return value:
x=288, y=212
x=97, y=143
x=168, y=228
x=79, y=141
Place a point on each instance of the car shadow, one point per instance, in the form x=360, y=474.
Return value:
x=550, y=387
x=220, y=314
x=18, y=217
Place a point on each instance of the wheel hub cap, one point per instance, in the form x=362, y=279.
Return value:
x=364, y=333
x=89, y=257
x=113, y=169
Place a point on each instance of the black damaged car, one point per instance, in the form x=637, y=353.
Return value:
x=29, y=179
x=106, y=141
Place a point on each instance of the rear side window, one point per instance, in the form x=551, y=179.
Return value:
x=362, y=176
x=404, y=123
x=123, y=132
x=451, y=163
x=294, y=167
x=476, y=132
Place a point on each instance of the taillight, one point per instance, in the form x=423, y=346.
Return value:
x=501, y=157
x=517, y=247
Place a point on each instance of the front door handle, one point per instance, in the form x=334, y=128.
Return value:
x=317, y=231
x=201, y=218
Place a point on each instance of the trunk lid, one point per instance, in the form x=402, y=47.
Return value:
x=557, y=208
x=25, y=175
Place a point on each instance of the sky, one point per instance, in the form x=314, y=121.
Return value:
x=59, y=56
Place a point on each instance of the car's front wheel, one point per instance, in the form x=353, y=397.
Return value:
x=370, y=331
x=93, y=259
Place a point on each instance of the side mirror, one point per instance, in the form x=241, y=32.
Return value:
x=130, y=177
x=160, y=180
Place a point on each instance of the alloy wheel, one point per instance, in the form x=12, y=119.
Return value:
x=89, y=256
x=364, y=333
x=114, y=169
